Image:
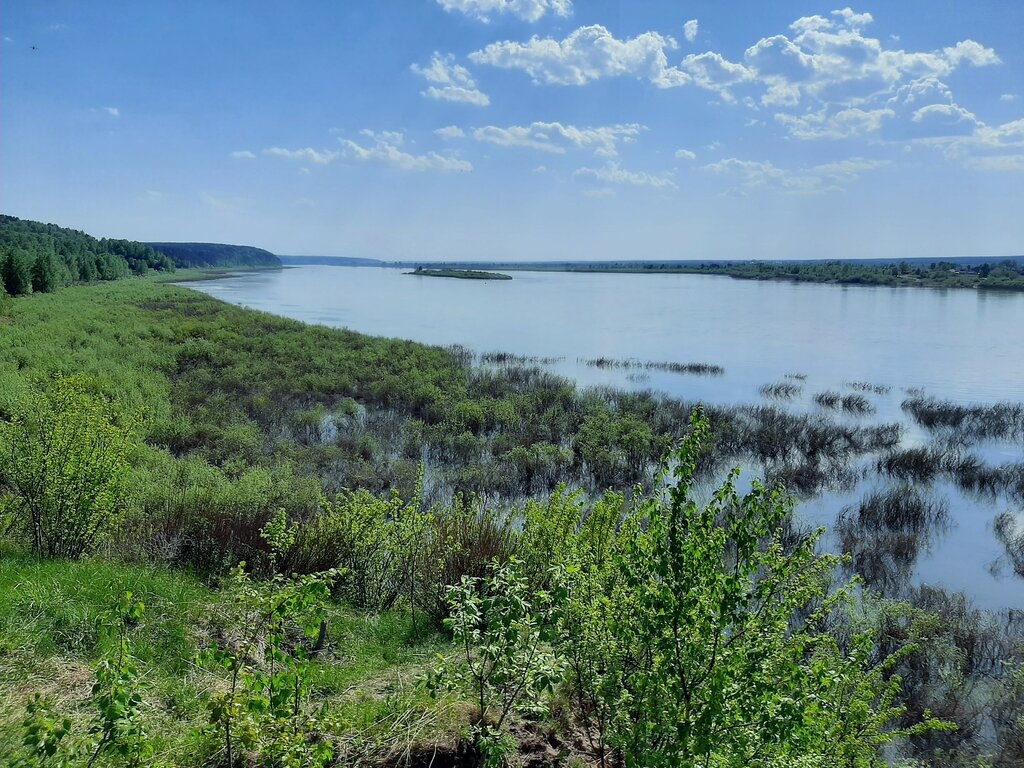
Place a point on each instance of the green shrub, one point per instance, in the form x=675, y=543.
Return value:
x=68, y=469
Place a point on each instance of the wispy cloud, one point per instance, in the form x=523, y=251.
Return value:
x=243, y=154
x=558, y=138
x=613, y=173
x=690, y=29
x=451, y=81
x=318, y=156
x=753, y=175
x=385, y=148
x=527, y=10
x=112, y=111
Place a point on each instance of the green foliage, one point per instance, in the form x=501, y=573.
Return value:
x=68, y=469
x=276, y=627
x=703, y=640
x=40, y=258
x=192, y=255
x=1006, y=275
x=503, y=632
x=116, y=731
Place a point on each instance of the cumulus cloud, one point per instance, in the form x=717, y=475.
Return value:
x=612, y=173
x=112, y=111
x=451, y=81
x=587, y=54
x=690, y=30
x=385, y=148
x=685, y=154
x=716, y=73
x=243, y=154
x=558, y=138
x=527, y=10
x=849, y=82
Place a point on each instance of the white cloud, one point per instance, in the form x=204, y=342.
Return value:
x=1003, y=163
x=318, y=156
x=685, y=154
x=973, y=53
x=558, y=138
x=1008, y=97
x=847, y=170
x=112, y=111
x=527, y=10
x=612, y=173
x=690, y=30
x=587, y=54
x=716, y=73
x=243, y=154
x=845, y=78
x=450, y=132
x=752, y=175
x=452, y=82
x=385, y=149
x=844, y=124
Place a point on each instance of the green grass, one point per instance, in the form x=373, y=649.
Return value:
x=369, y=671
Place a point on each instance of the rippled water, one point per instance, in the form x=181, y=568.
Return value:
x=961, y=345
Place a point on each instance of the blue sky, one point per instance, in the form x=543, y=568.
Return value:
x=521, y=129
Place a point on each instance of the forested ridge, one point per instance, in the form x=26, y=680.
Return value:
x=205, y=255
x=230, y=539
x=39, y=258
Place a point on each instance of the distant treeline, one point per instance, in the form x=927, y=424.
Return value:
x=199, y=255
x=1004, y=275
x=39, y=258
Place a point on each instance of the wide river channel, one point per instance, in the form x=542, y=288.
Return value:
x=961, y=345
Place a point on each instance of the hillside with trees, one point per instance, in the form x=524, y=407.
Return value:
x=39, y=258
x=217, y=255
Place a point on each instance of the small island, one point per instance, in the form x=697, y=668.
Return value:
x=463, y=274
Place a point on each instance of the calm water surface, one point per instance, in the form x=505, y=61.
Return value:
x=962, y=345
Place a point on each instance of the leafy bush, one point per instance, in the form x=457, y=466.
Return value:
x=68, y=470
x=503, y=631
x=704, y=638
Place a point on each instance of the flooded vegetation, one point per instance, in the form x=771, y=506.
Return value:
x=836, y=401
x=696, y=369
x=783, y=390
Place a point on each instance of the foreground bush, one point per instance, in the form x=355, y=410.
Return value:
x=68, y=469
x=704, y=638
